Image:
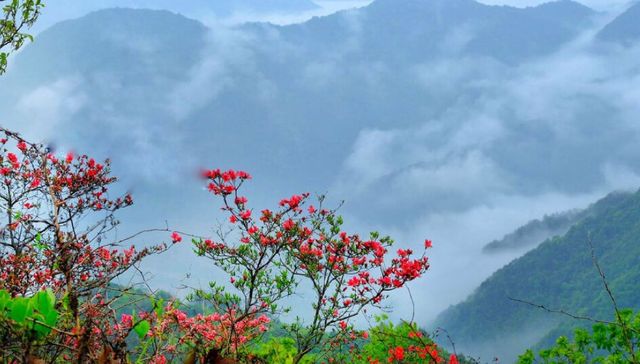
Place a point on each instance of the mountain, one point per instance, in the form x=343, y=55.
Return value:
x=204, y=10
x=64, y=8
x=535, y=232
x=268, y=6
x=273, y=72
x=560, y=275
x=418, y=30
x=123, y=43
x=422, y=115
x=624, y=29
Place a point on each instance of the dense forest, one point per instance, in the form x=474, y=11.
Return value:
x=559, y=275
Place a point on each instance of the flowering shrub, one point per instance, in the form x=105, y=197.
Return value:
x=58, y=262
x=402, y=343
x=279, y=250
x=383, y=343
x=54, y=236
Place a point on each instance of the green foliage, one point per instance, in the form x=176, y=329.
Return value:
x=142, y=328
x=34, y=316
x=387, y=335
x=370, y=348
x=280, y=350
x=614, y=343
x=17, y=15
x=559, y=274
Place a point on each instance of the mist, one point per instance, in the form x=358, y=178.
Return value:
x=461, y=148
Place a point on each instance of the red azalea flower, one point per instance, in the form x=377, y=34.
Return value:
x=245, y=215
x=22, y=146
x=396, y=353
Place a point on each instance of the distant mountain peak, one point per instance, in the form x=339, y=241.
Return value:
x=625, y=29
x=423, y=4
x=563, y=4
x=535, y=232
x=563, y=8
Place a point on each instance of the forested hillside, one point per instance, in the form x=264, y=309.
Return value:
x=535, y=232
x=560, y=275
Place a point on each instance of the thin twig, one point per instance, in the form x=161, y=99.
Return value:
x=565, y=313
x=453, y=344
x=562, y=312
x=413, y=304
x=625, y=328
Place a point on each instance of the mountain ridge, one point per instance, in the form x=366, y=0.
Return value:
x=421, y=27
x=624, y=29
x=558, y=274
x=537, y=231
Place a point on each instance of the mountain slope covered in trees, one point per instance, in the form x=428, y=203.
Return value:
x=560, y=275
x=535, y=232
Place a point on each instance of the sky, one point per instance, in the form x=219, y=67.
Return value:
x=462, y=178
x=603, y=5
x=67, y=9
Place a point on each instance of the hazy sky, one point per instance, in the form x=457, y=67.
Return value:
x=595, y=4
x=65, y=9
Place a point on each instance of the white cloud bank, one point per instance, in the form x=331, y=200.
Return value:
x=602, y=5
x=547, y=136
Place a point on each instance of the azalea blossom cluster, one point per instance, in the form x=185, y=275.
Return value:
x=54, y=234
x=214, y=330
x=404, y=343
x=43, y=244
x=423, y=353
x=429, y=352
x=305, y=243
x=55, y=237
x=171, y=330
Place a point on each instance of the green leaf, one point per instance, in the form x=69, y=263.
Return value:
x=45, y=301
x=5, y=298
x=38, y=242
x=41, y=330
x=51, y=318
x=159, y=307
x=142, y=328
x=19, y=309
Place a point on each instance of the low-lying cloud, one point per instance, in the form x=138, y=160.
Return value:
x=545, y=136
x=487, y=147
x=602, y=5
